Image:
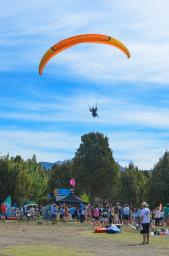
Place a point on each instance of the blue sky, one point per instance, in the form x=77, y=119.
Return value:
x=47, y=115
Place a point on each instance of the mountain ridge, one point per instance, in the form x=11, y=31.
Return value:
x=48, y=165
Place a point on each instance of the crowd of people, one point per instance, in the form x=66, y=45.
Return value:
x=107, y=214
x=31, y=213
x=96, y=214
x=24, y=213
x=140, y=218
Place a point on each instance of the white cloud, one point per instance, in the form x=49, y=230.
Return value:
x=143, y=149
x=48, y=146
x=113, y=112
x=128, y=128
x=141, y=25
x=30, y=28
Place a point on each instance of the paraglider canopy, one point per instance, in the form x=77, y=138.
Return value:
x=84, y=38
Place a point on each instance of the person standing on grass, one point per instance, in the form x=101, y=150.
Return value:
x=3, y=211
x=126, y=214
x=96, y=215
x=162, y=217
x=116, y=213
x=88, y=213
x=166, y=214
x=157, y=217
x=145, y=222
x=104, y=216
x=138, y=215
x=72, y=213
x=53, y=212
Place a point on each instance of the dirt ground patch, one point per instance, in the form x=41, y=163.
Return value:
x=79, y=237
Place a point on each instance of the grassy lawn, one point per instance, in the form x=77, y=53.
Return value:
x=41, y=251
x=131, y=237
x=74, y=240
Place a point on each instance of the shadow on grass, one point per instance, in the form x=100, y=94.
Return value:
x=128, y=245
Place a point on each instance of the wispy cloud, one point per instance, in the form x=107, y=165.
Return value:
x=32, y=107
x=52, y=146
x=49, y=146
x=113, y=112
x=136, y=24
x=128, y=129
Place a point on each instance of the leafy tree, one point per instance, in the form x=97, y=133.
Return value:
x=22, y=179
x=94, y=167
x=39, y=180
x=4, y=179
x=13, y=179
x=159, y=183
x=60, y=176
x=132, y=185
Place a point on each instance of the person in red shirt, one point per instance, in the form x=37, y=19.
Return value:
x=3, y=210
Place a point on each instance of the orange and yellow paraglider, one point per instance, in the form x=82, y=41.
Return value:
x=78, y=39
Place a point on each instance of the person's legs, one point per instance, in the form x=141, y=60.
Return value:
x=147, y=238
x=146, y=231
x=120, y=218
x=144, y=238
x=3, y=216
x=156, y=222
x=127, y=219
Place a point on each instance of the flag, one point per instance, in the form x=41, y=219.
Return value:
x=8, y=201
x=72, y=182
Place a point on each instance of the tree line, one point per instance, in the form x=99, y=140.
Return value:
x=96, y=174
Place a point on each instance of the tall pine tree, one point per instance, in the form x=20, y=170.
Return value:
x=159, y=184
x=94, y=167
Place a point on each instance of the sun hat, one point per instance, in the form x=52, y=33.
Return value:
x=144, y=204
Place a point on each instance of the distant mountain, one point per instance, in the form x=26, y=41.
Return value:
x=122, y=169
x=48, y=166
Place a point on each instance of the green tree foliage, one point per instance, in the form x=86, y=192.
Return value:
x=95, y=172
x=5, y=179
x=94, y=167
x=132, y=185
x=14, y=180
x=22, y=179
x=60, y=176
x=39, y=180
x=159, y=183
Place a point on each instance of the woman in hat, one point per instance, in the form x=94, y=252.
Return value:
x=145, y=222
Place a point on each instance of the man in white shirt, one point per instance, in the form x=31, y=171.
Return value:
x=145, y=222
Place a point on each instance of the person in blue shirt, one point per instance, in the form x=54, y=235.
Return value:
x=53, y=212
x=126, y=214
x=72, y=212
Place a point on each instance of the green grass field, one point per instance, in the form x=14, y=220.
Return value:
x=65, y=239
x=41, y=251
x=134, y=238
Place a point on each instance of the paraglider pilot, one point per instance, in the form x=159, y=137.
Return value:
x=93, y=110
